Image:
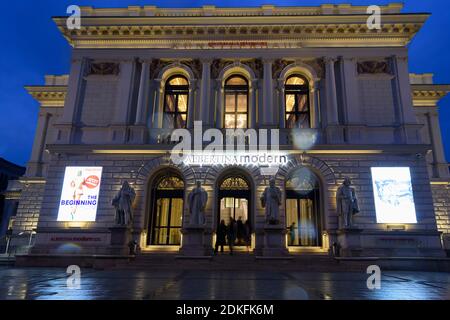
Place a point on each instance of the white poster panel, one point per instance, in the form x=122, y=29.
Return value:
x=79, y=196
x=393, y=194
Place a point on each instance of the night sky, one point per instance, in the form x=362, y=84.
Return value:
x=32, y=47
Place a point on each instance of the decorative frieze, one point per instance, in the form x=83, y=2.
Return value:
x=374, y=67
x=103, y=68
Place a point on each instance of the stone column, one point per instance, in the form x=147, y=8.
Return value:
x=34, y=167
x=440, y=165
x=253, y=105
x=219, y=104
x=205, y=94
x=332, y=105
x=122, y=108
x=401, y=72
x=144, y=89
x=139, y=131
x=267, y=114
x=315, y=121
x=282, y=103
x=74, y=100
x=192, y=110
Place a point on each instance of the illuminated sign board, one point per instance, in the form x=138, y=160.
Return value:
x=79, y=196
x=393, y=194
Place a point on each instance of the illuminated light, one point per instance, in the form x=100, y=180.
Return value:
x=129, y=151
x=304, y=139
x=76, y=224
x=396, y=227
x=256, y=158
x=71, y=248
x=445, y=183
x=343, y=151
x=161, y=249
x=393, y=194
x=79, y=195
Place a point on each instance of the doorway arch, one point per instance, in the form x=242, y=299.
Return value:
x=234, y=201
x=303, y=209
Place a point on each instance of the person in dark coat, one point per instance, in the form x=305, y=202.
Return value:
x=247, y=235
x=221, y=235
x=231, y=234
x=240, y=231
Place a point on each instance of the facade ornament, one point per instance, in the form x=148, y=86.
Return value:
x=278, y=66
x=271, y=201
x=347, y=203
x=373, y=67
x=256, y=65
x=217, y=66
x=156, y=66
x=103, y=68
x=197, y=200
x=195, y=65
x=318, y=65
x=123, y=203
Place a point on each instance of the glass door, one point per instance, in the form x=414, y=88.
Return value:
x=168, y=221
x=302, y=220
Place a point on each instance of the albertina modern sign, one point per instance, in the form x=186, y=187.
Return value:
x=79, y=196
x=394, y=199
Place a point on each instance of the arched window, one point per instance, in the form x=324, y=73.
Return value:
x=167, y=211
x=297, y=109
x=236, y=102
x=303, y=219
x=176, y=97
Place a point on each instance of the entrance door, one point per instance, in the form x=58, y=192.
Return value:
x=167, y=212
x=303, y=219
x=234, y=202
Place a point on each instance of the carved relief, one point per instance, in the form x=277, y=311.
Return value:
x=104, y=68
x=278, y=66
x=318, y=65
x=373, y=67
x=196, y=67
x=156, y=66
x=217, y=66
x=257, y=66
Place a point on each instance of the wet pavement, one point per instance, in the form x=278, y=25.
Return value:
x=52, y=284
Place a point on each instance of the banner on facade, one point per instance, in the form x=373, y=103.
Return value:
x=393, y=194
x=79, y=196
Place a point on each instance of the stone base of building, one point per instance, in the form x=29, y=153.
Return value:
x=274, y=241
x=194, y=244
x=120, y=240
x=402, y=244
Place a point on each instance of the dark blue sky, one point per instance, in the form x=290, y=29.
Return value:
x=32, y=47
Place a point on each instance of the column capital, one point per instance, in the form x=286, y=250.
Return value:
x=268, y=60
x=330, y=60
x=206, y=60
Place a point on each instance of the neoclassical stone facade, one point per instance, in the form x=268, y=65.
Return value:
x=141, y=72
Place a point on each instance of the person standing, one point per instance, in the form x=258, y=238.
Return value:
x=247, y=234
x=221, y=235
x=231, y=234
x=240, y=231
x=292, y=233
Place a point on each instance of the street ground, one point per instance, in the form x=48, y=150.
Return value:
x=51, y=284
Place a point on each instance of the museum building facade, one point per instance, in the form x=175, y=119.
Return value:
x=339, y=94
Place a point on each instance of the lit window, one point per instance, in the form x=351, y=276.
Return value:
x=236, y=103
x=176, y=102
x=297, y=109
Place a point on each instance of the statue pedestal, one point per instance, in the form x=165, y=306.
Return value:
x=350, y=242
x=274, y=241
x=193, y=244
x=120, y=240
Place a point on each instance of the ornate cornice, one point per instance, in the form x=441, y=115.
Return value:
x=428, y=95
x=48, y=96
x=252, y=32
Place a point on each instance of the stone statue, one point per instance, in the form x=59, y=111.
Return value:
x=197, y=202
x=271, y=201
x=123, y=202
x=347, y=203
